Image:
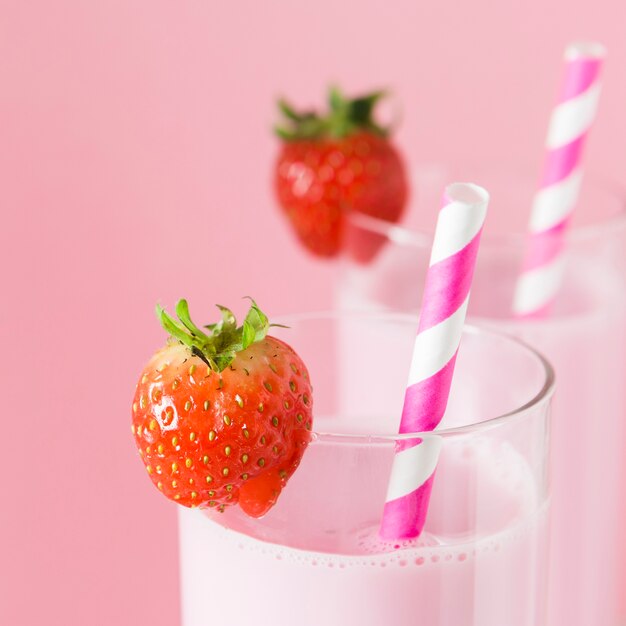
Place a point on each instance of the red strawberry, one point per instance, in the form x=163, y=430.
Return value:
x=222, y=417
x=334, y=164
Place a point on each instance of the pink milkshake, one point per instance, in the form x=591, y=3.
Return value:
x=584, y=339
x=316, y=557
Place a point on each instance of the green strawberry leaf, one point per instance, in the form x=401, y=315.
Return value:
x=182, y=311
x=225, y=339
x=171, y=326
x=288, y=111
x=248, y=334
x=362, y=109
x=336, y=101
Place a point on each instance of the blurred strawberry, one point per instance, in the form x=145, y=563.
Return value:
x=329, y=165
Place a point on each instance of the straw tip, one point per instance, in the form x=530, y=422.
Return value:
x=585, y=50
x=467, y=193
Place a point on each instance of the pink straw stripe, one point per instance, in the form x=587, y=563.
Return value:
x=443, y=295
x=561, y=161
x=404, y=518
x=545, y=246
x=425, y=402
x=581, y=74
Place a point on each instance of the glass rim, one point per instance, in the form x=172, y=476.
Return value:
x=541, y=397
x=401, y=234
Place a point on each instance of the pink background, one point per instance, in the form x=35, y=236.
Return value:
x=135, y=157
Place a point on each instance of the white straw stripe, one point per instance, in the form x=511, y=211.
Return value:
x=573, y=118
x=435, y=346
x=458, y=232
x=537, y=287
x=554, y=203
x=412, y=467
x=584, y=50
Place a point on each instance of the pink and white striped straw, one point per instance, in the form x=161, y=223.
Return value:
x=542, y=269
x=444, y=305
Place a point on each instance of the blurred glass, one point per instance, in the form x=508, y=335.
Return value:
x=584, y=338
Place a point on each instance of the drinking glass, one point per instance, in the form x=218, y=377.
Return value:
x=316, y=557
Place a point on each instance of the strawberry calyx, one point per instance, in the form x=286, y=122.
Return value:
x=224, y=339
x=345, y=117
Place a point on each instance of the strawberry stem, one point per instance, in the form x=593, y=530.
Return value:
x=345, y=117
x=218, y=348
